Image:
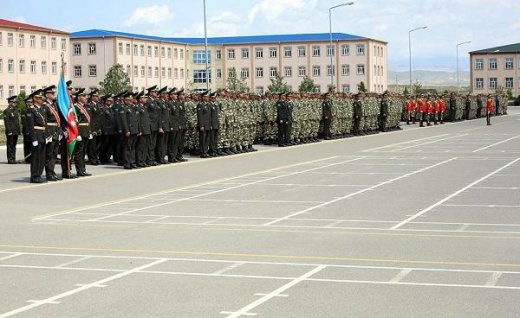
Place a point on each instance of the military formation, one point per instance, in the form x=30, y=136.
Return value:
x=159, y=126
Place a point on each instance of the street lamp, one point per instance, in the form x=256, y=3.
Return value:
x=206, y=46
x=330, y=33
x=410, y=51
x=487, y=70
x=457, y=46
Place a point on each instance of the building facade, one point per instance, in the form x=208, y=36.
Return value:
x=30, y=58
x=181, y=62
x=496, y=68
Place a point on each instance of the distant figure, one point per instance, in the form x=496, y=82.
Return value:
x=489, y=109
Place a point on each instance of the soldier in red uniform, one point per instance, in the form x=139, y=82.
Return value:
x=489, y=109
x=429, y=110
x=437, y=108
x=442, y=104
x=414, y=109
x=421, y=106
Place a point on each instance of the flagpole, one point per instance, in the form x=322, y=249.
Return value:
x=64, y=145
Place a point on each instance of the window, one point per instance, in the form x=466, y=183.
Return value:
x=53, y=43
x=11, y=91
x=509, y=82
x=9, y=39
x=21, y=40
x=361, y=69
x=163, y=52
x=22, y=88
x=315, y=50
x=316, y=71
x=10, y=66
x=287, y=51
x=2, y=91
x=330, y=50
x=199, y=57
x=127, y=49
x=150, y=71
x=273, y=52
x=156, y=72
x=21, y=68
x=273, y=71
x=479, y=64
x=163, y=72
x=136, y=71
x=231, y=54
x=33, y=67
x=231, y=72
x=149, y=51
x=200, y=76
x=259, y=72
x=92, y=49
x=76, y=49
x=175, y=54
x=245, y=53
x=156, y=51
x=345, y=70
x=345, y=49
x=141, y=50
x=143, y=71
x=259, y=52
x=493, y=63
x=493, y=82
x=218, y=54
x=331, y=70
x=181, y=56
x=345, y=88
x=169, y=72
x=77, y=70
x=32, y=41
x=317, y=89
x=44, y=67
x=54, y=68
x=301, y=51
x=92, y=70
x=136, y=49
x=64, y=44
x=360, y=49
x=181, y=73
x=509, y=63
x=176, y=73
x=244, y=73
x=128, y=70
x=43, y=42
x=169, y=52
x=288, y=71
x=218, y=73
x=120, y=48
x=259, y=90
x=301, y=71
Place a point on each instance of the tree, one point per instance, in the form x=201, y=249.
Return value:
x=416, y=89
x=406, y=92
x=235, y=84
x=116, y=81
x=307, y=85
x=20, y=101
x=278, y=85
x=361, y=87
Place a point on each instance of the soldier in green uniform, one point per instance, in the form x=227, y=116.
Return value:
x=35, y=127
x=180, y=140
x=53, y=133
x=154, y=111
x=84, y=134
x=326, y=116
x=145, y=129
x=130, y=128
x=93, y=107
x=204, y=124
x=12, y=128
x=358, y=115
x=214, y=108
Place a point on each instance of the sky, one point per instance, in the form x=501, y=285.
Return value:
x=485, y=23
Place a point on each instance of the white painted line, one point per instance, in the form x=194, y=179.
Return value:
x=310, y=185
x=452, y=195
x=254, y=201
x=403, y=143
x=74, y=261
x=244, y=314
x=482, y=205
x=493, y=280
x=402, y=274
x=80, y=289
x=496, y=143
x=276, y=292
x=10, y=256
x=91, y=285
x=427, y=143
x=280, y=295
x=497, y=188
x=463, y=227
x=358, y=192
x=44, y=302
x=333, y=224
x=228, y=268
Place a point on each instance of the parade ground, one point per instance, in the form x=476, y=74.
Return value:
x=421, y=222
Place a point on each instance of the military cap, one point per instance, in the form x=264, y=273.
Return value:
x=68, y=83
x=151, y=89
x=173, y=90
x=163, y=90
x=49, y=89
x=138, y=95
x=129, y=95
x=213, y=94
x=12, y=98
x=80, y=91
x=37, y=93
x=94, y=91
x=181, y=91
x=28, y=98
x=206, y=92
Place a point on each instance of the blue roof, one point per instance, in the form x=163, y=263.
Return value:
x=282, y=38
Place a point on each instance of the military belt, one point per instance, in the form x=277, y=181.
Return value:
x=39, y=128
x=84, y=124
x=52, y=124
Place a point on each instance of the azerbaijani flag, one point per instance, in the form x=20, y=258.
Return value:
x=69, y=113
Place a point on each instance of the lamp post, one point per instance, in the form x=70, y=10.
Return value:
x=487, y=71
x=206, y=46
x=330, y=33
x=457, y=46
x=410, y=51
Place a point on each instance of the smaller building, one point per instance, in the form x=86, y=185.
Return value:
x=496, y=67
x=30, y=57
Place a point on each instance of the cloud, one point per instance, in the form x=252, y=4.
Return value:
x=154, y=15
x=226, y=23
x=272, y=9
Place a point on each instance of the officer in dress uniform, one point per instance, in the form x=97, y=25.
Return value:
x=204, y=124
x=53, y=132
x=215, y=126
x=83, y=133
x=130, y=128
x=326, y=111
x=96, y=115
x=145, y=129
x=155, y=114
x=35, y=127
x=66, y=169
x=384, y=112
x=12, y=128
x=183, y=126
x=165, y=126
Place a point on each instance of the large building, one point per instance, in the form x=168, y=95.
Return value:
x=496, y=67
x=181, y=62
x=30, y=57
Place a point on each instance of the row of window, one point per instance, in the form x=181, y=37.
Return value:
x=32, y=41
x=493, y=63
x=288, y=51
x=28, y=66
x=137, y=72
x=11, y=92
x=139, y=49
x=493, y=83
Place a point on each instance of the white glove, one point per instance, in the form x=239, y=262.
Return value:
x=78, y=138
x=59, y=138
x=35, y=143
x=90, y=136
x=48, y=140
